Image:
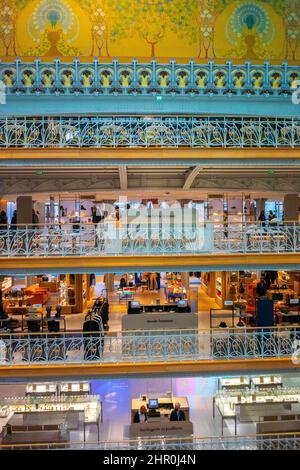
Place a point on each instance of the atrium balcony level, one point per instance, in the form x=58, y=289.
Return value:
x=112, y=244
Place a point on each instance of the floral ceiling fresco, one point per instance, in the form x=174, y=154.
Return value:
x=239, y=30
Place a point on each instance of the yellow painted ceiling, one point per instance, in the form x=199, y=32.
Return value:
x=200, y=29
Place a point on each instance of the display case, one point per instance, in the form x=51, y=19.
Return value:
x=41, y=389
x=233, y=383
x=6, y=284
x=89, y=404
x=267, y=381
x=75, y=388
x=230, y=403
x=227, y=400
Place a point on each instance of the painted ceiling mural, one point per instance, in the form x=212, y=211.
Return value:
x=240, y=30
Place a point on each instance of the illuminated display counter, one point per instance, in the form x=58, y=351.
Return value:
x=267, y=381
x=89, y=404
x=228, y=383
x=37, y=389
x=234, y=404
x=75, y=388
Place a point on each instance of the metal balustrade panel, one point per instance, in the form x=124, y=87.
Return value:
x=148, y=346
x=143, y=132
x=254, y=442
x=136, y=239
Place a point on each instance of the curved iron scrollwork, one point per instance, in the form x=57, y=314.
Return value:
x=85, y=240
x=151, y=346
x=159, y=131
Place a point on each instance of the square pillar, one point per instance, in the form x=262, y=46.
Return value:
x=109, y=282
x=24, y=210
x=291, y=207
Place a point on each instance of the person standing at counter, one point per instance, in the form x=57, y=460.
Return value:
x=177, y=414
x=141, y=416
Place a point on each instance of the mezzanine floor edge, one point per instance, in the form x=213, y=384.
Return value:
x=163, y=262
x=148, y=368
x=153, y=155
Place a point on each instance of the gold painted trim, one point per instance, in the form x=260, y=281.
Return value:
x=146, y=368
x=160, y=261
x=149, y=153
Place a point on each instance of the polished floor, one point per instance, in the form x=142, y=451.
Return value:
x=201, y=304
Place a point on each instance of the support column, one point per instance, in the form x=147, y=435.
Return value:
x=260, y=206
x=24, y=210
x=51, y=209
x=109, y=281
x=3, y=205
x=211, y=291
x=30, y=280
x=40, y=207
x=291, y=207
x=185, y=277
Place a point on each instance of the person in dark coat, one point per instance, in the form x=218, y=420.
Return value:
x=13, y=222
x=261, y=289
x=177, y=414
x=141, y=416
x=3, y=220
x=262, y=218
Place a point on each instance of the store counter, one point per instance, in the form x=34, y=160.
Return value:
x=75, y=388
x=44, y=390
x=248, y=406
x=165, y=406
x=161, y=428
x=159, y=321
x=34, y=437
x=45, y=420
x=268, y=381
x=164, y=308
x=233, y=383
x=4, y=419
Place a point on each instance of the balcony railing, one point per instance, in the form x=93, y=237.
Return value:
x=153, y=78
x=109, y=238
x=150, y=346
x=287, y=441
x=142, y=132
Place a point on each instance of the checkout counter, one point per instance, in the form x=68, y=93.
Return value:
x=158, y=317
x=159, y=423
x=179, y=307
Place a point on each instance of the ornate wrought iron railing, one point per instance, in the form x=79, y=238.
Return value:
x=254, y=442
x=153, y=78
x=149, y=346
x=141, y=132
x=110, y=239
